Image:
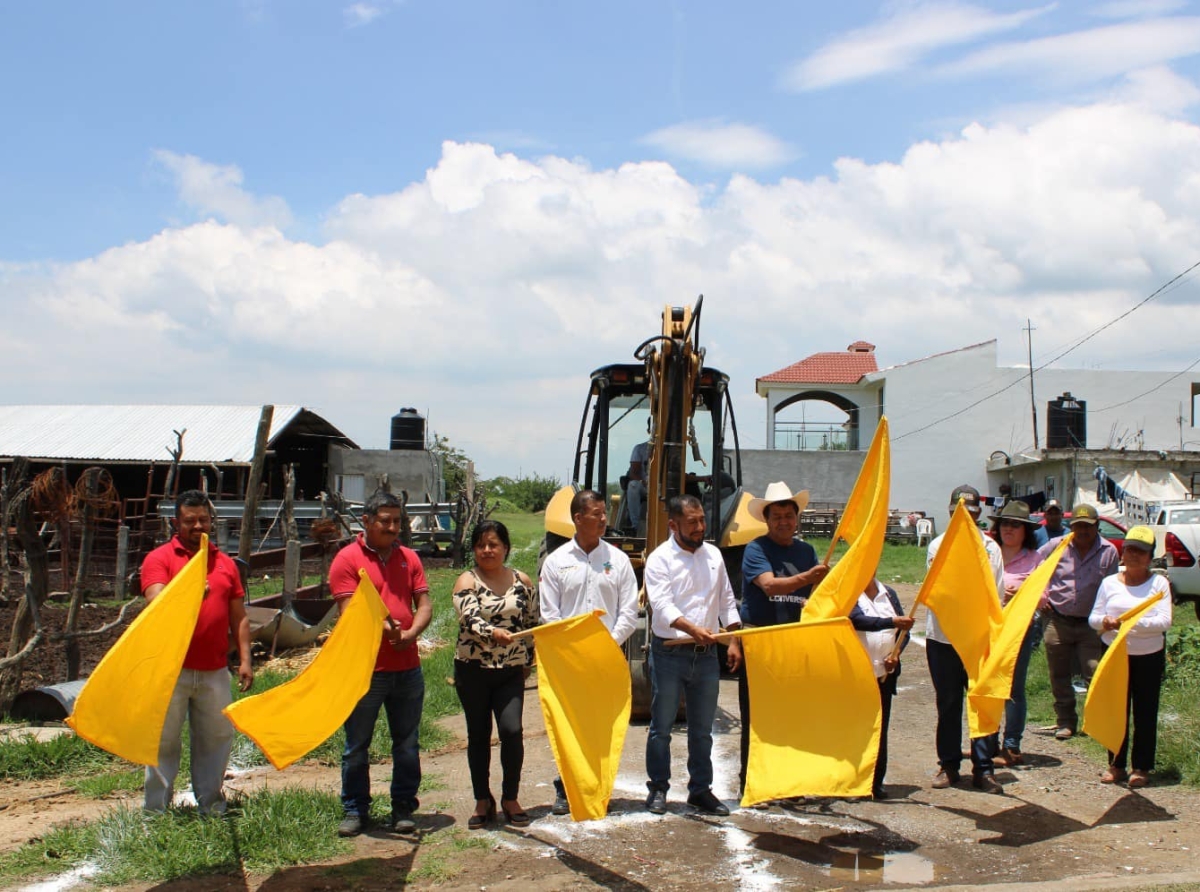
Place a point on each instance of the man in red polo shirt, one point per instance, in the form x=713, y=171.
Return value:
x=202, y=690
x=397, y=684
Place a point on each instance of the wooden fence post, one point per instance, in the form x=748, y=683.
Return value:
x=249, y=527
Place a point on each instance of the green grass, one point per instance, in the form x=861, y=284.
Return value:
x=24, y=758
x=900, y=562
x=101, y=786
x=265, y=831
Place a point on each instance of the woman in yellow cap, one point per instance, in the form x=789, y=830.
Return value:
x=1147, y=655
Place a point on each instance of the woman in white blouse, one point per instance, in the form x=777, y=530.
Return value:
x=1147, y=654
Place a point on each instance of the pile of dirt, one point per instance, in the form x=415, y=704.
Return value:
x=48, y=662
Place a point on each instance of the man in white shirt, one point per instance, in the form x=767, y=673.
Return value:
x=690, y=598
x=949, y=676
x=586, y=574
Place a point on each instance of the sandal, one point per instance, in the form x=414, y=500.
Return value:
x=1114, y=775
x=478, y=822
x=1138, y=779
x=516, y=818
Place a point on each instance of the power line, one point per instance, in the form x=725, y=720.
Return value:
x=1161, y=289
x=1152, y=389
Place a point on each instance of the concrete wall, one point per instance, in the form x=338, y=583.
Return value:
x=414, y=471
x=828, y=476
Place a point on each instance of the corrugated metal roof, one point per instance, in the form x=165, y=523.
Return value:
x=137, y=433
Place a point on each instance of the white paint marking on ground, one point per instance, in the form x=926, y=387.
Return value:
x=749, y=869
x=65, y=881
x=567, y=831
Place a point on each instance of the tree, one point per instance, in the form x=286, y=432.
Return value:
x=527, y=493
x=453, y=462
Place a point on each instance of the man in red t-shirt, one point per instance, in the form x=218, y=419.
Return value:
x=397, y=684
x=202, y=690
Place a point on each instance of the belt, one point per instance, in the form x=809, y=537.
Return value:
x=688, y=647
x=1068, y=617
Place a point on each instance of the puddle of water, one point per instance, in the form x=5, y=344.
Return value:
x=889, y=867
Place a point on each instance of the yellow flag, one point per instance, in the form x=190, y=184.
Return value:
x=1106, y=709
x=289, y=721
x=814, y=711
x=584, y=688
x=993, y=687
x=863, y=525
x=123, y=705
x=960, y=589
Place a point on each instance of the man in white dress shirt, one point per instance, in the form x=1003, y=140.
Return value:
x=586, y=574
x=690, y=596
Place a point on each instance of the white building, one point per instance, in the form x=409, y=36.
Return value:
x=958, y=417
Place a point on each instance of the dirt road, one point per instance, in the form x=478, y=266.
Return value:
x=1054, y=823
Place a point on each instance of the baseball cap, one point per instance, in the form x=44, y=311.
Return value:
x=1141, y=537
x=1084, y=514
x=1053, y=505
x=968, y=494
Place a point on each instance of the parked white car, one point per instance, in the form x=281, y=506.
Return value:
x=1176, y=528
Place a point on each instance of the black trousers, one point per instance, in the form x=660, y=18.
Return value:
x=485, y=693
x=887, y=690
x=1145, y=685
x=950, y=689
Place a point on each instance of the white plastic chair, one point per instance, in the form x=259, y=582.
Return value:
x=924, y=531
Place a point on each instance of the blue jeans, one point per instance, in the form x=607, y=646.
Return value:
x=950, y=688
x=675, y=670
x=1015, y=709
x=401, y=695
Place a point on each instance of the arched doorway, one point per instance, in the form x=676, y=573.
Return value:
x=831, y=425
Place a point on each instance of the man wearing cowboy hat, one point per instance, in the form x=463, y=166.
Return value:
x=1066, y=605
x=949, y=676
x=778, y=573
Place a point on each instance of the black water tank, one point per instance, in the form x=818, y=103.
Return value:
x=1066, y=423
x=408, y=430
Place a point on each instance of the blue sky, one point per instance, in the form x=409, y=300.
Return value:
x=467, y=206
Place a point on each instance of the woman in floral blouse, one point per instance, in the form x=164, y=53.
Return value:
x=493, y=602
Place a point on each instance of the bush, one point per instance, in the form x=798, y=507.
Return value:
x=526, y=493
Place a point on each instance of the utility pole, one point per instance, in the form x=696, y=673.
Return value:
x=1029, y=330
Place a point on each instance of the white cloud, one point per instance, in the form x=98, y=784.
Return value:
x=1087, y=56
x=718, y=144
x=486, y=291
x=359, y=14
x=216, y=190
x=1134, y=9
x=1158, y=88
x=899, y=41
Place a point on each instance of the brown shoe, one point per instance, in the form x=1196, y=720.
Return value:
x=1012, y=756
x=1114, y=775
x=946, y=777
x=1138, y=779
x=987, y=783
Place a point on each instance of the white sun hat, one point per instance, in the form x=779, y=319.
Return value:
x=777, y=492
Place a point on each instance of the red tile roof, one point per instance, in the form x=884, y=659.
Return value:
x=829, y=368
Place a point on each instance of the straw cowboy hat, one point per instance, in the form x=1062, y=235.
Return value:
x=777, y=492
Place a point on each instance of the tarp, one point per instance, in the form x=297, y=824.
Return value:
x=124, y=704
x=814, y=711
x=585, y=692
x=291, y=720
